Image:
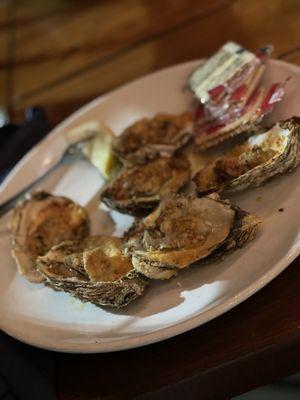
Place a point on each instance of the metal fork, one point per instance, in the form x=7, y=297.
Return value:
x=73, y=153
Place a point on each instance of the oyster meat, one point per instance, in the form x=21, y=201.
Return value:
x=41, y=222
x=254, y=162
x=138, y=189
x=148, y=139
x=94, y=270
x=186, y=229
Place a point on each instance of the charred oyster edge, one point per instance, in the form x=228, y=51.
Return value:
x=151, y=151
x=139, y=203
x=76, y=282
x=278, y=165
x=117, y=294
x=137, y=207
x=250, y=127
x=285, y=162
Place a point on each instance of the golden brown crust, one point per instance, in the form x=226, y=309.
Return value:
x=41, y=222
x=260, y=158
x=148, y=139
x=183, y=230
x=138, y=189
x=93, y=270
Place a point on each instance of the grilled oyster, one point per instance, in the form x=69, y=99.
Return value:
x=148, y=139
x=93, y=270
x=252, y=163
x=185, y=229
x=138, y=189
x=41, y=222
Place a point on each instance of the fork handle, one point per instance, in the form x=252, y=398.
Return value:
x=12, y=201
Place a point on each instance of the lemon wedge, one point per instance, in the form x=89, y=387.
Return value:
x=99, y=149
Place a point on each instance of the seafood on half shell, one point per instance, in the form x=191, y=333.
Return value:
x=93, y=270
x=148, y=139
x=252, y=163
x=136, y=190
x=41, y=222
x=186, y=229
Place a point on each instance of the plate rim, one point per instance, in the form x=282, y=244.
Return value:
x=179, y=327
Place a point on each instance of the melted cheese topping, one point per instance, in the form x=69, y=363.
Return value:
x=184, y=230
x=257, y=150
x=106, y=263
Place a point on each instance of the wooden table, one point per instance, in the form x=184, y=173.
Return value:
x=62, y=55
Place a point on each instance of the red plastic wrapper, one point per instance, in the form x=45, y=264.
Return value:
x=230, y=95
x=262, y=101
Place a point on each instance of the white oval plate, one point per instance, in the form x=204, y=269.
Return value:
x=42, y=317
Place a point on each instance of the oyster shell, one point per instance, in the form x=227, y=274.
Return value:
x=148, y=139
x=93, y=270
x=41, y=222
x=186, y=229
x=254, y=162
x=138, y=189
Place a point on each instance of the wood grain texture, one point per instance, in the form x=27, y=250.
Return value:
x=292, y=56
x=30, y=11
x=4, y=17
x=243, y=20
x=5, y=14
x=110, y=29
x=3, y=74
x=253, y=344
x=108, y=26
x=3, y=90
